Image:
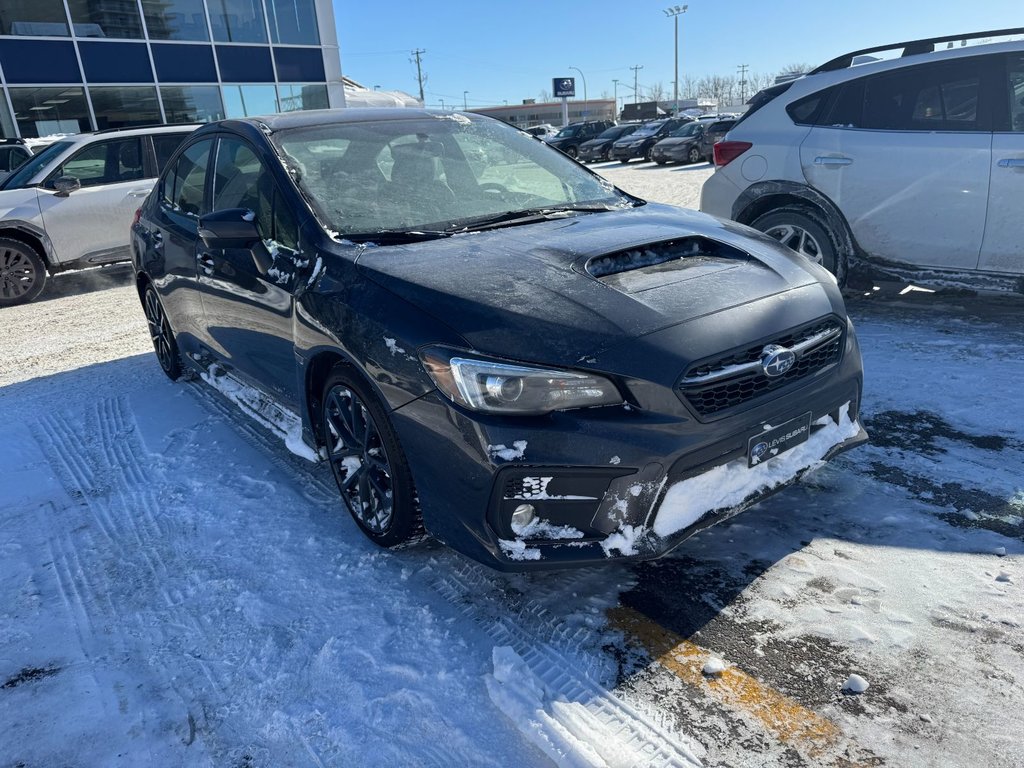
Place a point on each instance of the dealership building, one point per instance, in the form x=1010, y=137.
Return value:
x=68, y=66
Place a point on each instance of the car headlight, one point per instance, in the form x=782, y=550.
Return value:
x=497, y=387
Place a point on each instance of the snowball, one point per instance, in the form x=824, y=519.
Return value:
x=713, y=667
x=855, y=684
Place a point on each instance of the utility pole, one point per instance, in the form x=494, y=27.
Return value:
x=419, y=71
x=743, y=82
x=616, y=84
x=636, y=93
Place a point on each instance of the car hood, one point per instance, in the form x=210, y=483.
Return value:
x=677, y=141
x=627, y=140
x=594, y=143
x=527, y=293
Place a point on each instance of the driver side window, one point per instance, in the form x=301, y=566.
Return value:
x=184, y=185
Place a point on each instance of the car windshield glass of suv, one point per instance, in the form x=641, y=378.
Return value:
x=569, y=130
x=648, y=129
x=434, y=175
x=31, y=168
x=690, y=129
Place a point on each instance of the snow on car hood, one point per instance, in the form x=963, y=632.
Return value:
x=526, y=292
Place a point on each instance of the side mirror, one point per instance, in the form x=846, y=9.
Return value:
x=65, y=185
x=229, y=228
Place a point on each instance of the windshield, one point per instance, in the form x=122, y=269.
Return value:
x=432, y=174
x=31, y=168
x=648, y=128
x=569, y=130
x=690, y=129
x=615, y=132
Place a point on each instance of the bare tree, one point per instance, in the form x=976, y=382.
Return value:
x=656, y=92
x=794, y=70
x=688, y=87
x=544, y=96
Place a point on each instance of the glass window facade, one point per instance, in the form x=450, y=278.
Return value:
x=293, y=22
x=33, y=17
x=295, y=97
x=245, y=100
x=175, y=19
x=80, y=65
x=237, y=21
x=106, y=18
x=46, y=111
x=124, y=107
x=115, y=62
x=192, y=103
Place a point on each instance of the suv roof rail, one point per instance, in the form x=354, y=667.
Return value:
x=911, y=47
x=142, y=127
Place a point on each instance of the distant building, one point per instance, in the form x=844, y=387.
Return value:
x=68, y=66
x=529, y=113
x=358, y=95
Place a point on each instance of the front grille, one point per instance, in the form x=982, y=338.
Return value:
x=710, y=398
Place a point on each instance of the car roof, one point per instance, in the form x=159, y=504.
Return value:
x=313, y=117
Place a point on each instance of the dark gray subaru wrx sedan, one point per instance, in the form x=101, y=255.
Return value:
x=489, y=342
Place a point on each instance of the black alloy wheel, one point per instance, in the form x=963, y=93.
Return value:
x=367, y=461
x=22, y=273
x=571, y=152
x=160, y=332
x=694, y=155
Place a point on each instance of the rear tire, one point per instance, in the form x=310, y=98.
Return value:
x=22, y=272
x=164, y=343
x=805, y=231
x=367, y=460
x=694, y=155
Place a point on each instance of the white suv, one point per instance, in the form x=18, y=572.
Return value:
x=71, y=205
x=910, y=168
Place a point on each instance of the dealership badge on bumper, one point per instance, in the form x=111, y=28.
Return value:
x=774, y=440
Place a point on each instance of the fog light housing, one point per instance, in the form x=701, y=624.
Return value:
x=523, y=515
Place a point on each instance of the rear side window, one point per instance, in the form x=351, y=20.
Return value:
x=932, y=97
x=763, y=98
x=165, y=144
x=1015, y=90
x=805, y=111
x=184, y=185
x=105, y=162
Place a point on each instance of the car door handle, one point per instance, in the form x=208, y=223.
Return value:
x=1011, y=162
x=833, y=161
x=138, y=192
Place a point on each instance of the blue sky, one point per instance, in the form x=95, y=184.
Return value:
x=501, y=50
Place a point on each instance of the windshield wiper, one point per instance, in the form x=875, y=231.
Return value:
x=530, y=215
x=394, y=236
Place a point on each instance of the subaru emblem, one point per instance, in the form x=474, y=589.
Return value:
x=776, y=360
x=758, y=451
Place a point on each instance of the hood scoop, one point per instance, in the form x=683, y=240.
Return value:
x=659, y=264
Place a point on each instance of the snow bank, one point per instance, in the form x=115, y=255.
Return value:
x=731, y=484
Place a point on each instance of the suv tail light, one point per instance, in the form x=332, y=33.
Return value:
x=727, y=151
x=138, y=215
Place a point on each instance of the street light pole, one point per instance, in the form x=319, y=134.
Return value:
x=675, y=12
x=585, y=110
x=465, y=106
x=616, y=84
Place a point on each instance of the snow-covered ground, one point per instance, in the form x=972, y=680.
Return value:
x=177, y=588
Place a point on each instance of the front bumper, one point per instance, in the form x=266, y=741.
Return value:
x=593, y=154
x=672, y=155
x=601, y=479
x=627, y=153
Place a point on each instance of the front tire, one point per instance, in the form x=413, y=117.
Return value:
x=164, y=343
x=571, y=152
x=803, y=231
x=367, y=460
x=22, y=272
x=693, y=156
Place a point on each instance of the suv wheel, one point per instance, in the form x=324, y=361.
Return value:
x=22, y=272
x=799, y=229
x=367, y=460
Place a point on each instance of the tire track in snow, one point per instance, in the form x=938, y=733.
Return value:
x=546, y=646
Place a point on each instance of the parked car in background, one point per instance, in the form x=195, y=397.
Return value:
x=683, y=145
x=569, y=139
x=71, y=205
x=13, y=153
x=640, y=143
x=596, y=150
x=552, y=391
x=909, y=168
x=542, y=131
x=714, y=133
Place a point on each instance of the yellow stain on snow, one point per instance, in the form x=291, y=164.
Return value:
x=806, y=731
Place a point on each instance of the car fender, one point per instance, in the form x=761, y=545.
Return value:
x=763, y=196
x=37, y=233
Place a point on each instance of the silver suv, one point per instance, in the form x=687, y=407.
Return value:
x=71, y=205
x=909, y=168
